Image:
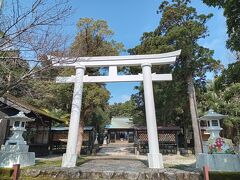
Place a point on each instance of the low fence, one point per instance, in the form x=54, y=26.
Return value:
x=59, y=140
x=167, y=137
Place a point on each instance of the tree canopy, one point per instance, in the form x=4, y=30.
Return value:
x=225, y=101
x=12, y=68
x=228, y=76
x=125, y=109
x=231, y=12
x=94, y=39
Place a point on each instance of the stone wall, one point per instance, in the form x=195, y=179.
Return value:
x=78, y=173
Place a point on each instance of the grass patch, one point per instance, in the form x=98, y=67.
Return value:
x=184, y=167
x=45, y=163
x=81, y=161
x=48, y=164
x=224, y=175
x=6, y=173
x=54, y=163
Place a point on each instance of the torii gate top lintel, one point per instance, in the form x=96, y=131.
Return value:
x=112, y=62
x=128, y=60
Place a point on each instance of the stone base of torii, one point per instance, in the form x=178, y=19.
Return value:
x=146, y=62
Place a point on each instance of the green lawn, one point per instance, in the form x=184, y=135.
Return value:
x=54, y=163
x=6, y=173
x=224, y=175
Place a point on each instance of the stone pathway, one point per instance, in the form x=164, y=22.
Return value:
x=117, y=149
x=114, y=165
x=126, y=151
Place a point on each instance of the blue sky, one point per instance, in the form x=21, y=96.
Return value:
x=130, y=18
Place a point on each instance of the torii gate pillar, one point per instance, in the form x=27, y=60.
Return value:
x=154, y=157
x=70, y=157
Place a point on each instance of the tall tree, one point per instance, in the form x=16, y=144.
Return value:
x=232, y=13
x=180, y=28
x=93, y=39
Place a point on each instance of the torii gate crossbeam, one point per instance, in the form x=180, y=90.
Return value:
x=145, y=61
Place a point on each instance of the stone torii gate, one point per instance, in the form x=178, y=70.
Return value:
x=145, y=61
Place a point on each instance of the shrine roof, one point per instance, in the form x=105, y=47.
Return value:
x=20, y=105
x=120, y=123
x=86, y=128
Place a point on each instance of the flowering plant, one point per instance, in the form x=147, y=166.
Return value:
x=220, y=145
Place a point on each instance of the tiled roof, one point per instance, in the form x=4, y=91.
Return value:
x=18, y=104
x=86, y=128
x=120, y=123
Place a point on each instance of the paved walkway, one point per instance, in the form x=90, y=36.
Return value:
x=117, y=149
x=115, y=165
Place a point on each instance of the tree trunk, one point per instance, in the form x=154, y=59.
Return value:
x=80, y=137
x=185, y=133
x=193, y=112
x=236, y=136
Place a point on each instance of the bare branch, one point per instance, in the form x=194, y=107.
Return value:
x=33, y=30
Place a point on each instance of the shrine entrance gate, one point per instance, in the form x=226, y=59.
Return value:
x=145, y=61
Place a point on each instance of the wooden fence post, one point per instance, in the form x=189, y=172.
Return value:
x=16, y=171
x=206, y=172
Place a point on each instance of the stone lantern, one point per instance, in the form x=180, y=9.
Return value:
x=216, y=144
x=213, y=123
x=220, y=155
x=15, y=150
